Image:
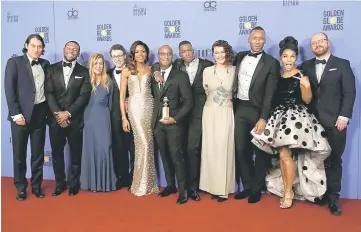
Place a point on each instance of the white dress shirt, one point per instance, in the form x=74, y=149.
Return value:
x=166, y=74
x=191, y=69
x=245, y=74
x=68, y=71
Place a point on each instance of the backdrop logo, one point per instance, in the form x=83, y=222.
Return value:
x=43, y=32
x=246, y=24
x=139, y=11
x=172, y=29
x=333, y=20
x=10, y=18
x=291, y=2
x=104, y=32
x=48, y=159
x=210, y=6
x=203, y=53
x=72, y=14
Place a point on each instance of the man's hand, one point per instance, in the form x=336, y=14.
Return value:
x=61, y=116
x=167, y=121
x=260, y=126
x=341, y=124
x=20, y=121
x=158, y=77
x=64, y=124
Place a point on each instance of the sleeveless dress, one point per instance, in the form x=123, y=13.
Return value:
x=140, y=110
x=97, y=172
x=291, y=124
x=217, y=173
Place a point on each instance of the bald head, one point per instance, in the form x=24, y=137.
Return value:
x=165, y=56
x=320, y=44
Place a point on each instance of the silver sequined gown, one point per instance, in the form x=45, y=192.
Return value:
x=140, y=109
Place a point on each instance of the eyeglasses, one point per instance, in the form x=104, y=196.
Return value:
x=117, y=57
x=165, y=54
x=320, y=41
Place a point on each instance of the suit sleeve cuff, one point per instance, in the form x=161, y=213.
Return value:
x=346, y=119
x=17, y=117
x=68, y=113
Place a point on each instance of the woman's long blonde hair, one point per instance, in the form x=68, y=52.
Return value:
x=104, y=77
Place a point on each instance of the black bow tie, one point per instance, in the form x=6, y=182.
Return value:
x=34, y=62
x=65, y=64
x=320, y=61
x=254, y=54
x=118, y=71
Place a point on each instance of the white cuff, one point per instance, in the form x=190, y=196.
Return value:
x=17, y=117
x=343, y=118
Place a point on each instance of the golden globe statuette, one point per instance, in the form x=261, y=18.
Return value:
x=165, y=110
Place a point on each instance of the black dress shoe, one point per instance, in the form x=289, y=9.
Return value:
x=221, y=199
x=119, y=184
x=181, y=200
x=194, y=196
x=168, y=191
x=21, y=195
x=38, y=193
x=334, y=208
x=254, y=198
x=242, y=195
x=58, y=191
x=213, y=197
x=73, y=190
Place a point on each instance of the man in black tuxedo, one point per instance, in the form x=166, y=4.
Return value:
x=67, y=89
x=122, y=141
x=334, y=91
x=194, y=66
x=168, y=131
x=257, y=75
x=24, y=92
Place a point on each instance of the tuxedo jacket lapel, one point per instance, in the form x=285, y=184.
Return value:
x=313, y=77
x=166, y=84
x=198, y=72
x=72, y=76
x=60, y=74
x=327, y=67
x=257, y=70
x=28, y=68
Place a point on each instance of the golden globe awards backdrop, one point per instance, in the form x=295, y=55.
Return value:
x=98, y=25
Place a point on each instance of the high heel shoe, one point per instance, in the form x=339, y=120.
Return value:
x=289, y=205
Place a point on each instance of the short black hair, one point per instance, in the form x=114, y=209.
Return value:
x=258, y=28
x=27, y=41
x=73, y=41
x=184, y=42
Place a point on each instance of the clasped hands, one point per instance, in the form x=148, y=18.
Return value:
x=62, y=118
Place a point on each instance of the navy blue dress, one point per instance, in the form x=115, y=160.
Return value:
x=97, y=173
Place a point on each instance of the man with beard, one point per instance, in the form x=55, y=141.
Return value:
x=121, y=140
x=334, y=91
x=194, y=66
x=67, y=90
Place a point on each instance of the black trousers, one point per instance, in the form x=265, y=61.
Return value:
x=58, y=137
x=20, y=136
x=169, y=142
x=333, y=164
x=252, y=173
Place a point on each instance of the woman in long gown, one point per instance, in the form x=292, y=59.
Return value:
x=97, y=173
x=217, y=174
x=137, y=78
x=295, y=134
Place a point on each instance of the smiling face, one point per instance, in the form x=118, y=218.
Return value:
x=71, y=51
x=98, y=66
x=165, y=56
x=288, y=59
x=257, y=40
x=219, y=55
x=320, y=44
x=140, y=54
x=118, y=58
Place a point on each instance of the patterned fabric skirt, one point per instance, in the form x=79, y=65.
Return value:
x=294, y=127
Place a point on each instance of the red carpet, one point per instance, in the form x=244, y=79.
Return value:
x=120, y=211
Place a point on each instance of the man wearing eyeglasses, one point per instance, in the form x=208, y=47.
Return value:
x=67, y=90
x=334, y=91
x=122, y=142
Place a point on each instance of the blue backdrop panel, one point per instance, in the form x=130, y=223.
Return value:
x=98, y=25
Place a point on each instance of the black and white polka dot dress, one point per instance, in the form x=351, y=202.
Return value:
x=291, y=124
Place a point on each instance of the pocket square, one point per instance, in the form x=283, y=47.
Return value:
x=78, y=77
x=332, y=69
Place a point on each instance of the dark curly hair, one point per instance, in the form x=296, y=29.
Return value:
x=288, y=43
x=132, y=65
x=227, y=48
